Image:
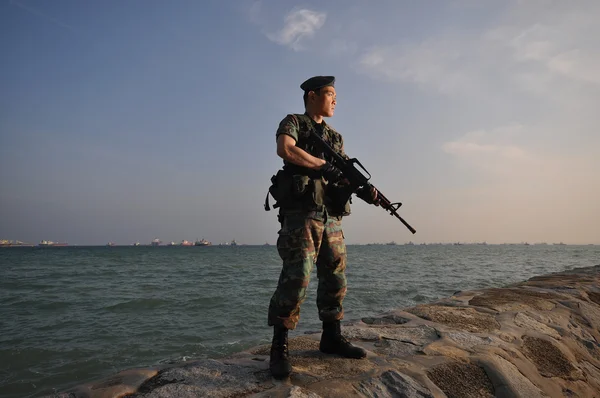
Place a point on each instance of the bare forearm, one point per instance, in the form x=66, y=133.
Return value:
x=299, y=157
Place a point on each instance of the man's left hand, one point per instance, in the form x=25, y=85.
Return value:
x=374, y=196
x=369, y=195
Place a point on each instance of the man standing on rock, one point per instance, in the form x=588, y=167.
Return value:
x=307, y=191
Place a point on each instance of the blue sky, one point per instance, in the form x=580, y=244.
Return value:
x=127, y=121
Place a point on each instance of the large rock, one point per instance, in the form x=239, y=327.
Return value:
x=535, y=339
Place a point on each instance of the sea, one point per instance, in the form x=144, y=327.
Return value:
x=71, y=315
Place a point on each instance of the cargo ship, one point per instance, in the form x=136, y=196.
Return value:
x=202, y=242
x=186, y=243
x=155, y=242
x=49, y=243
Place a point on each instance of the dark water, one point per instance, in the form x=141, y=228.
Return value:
x=76, y=314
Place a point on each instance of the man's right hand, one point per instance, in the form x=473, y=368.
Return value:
x=331, y=173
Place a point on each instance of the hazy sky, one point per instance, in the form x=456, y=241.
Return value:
x=126, y=121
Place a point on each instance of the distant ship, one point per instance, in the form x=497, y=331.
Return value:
x=186, y=243
x=171, y=243
x=202, y=242
x=136, y=244
x=232, y=243
x=14, y=243
x=48, y=243
x=110, y=244
x=155, y=242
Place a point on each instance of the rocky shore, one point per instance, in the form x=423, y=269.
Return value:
x=533, y=339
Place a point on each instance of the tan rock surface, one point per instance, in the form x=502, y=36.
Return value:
x=539, y=338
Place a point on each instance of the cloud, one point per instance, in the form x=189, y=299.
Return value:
x=577, y=64
x=432, y=63
x=493, y=153
x=561, y=49
x=469, y=148
x=506, y=162
x=299, y=25
x=529, y=47
x=520, y=189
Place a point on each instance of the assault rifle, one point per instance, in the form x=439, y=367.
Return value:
x=358, y=180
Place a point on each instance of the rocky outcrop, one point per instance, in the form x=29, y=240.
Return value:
x=534, y=339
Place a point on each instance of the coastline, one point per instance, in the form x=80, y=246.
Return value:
x=535, y=338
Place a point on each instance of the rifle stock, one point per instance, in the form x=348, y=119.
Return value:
x=358, y=180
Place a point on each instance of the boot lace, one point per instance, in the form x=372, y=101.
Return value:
x=344, y=342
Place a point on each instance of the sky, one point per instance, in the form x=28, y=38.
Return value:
x=125, y=121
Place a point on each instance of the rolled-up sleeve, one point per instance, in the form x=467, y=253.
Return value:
x=288, y=126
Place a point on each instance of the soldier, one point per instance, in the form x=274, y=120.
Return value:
x=311, y=229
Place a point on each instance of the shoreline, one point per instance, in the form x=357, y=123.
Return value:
x=535, y=338
x=120, y=245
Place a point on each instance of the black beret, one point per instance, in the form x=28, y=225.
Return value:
x=317, y=82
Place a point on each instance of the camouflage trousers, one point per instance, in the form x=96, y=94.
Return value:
x=302, y=243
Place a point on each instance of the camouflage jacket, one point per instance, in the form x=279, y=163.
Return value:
x=299, y=127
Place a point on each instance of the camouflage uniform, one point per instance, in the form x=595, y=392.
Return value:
x=310, y=234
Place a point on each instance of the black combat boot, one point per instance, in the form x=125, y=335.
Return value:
x=332, y=342
x=279, y=363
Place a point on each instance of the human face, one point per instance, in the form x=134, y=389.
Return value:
x=325, y=102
